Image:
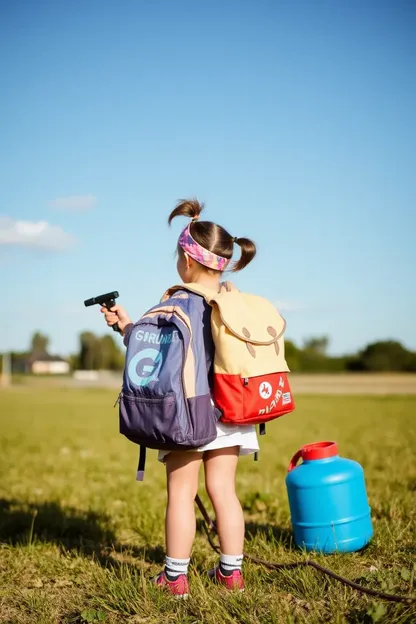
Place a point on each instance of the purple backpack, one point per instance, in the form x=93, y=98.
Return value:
x=165, y=402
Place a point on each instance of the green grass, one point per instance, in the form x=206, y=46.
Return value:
x=80, y=537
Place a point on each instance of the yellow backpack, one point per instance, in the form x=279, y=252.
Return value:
x=250, y=370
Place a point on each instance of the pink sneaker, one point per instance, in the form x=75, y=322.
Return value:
x=234, y=581
x=178, y=588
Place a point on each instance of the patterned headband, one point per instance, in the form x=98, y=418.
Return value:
x=198, y=253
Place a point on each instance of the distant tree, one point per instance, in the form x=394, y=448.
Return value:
x=292, y=355
x=316, y=345
x=19, y=362
x=111, y=356
x=383, y=356
x=39, y=344
x=313, y=358
x=98, y=353
x=411, y=364
x=74, y=361
x=89, y=355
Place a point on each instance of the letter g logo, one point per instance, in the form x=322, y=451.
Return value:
x=144, y=367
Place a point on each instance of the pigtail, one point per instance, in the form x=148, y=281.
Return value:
x=191, y=208
x=248, y=251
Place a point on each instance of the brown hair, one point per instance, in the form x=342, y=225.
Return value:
x=212, y=236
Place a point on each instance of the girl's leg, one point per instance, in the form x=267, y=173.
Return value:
x=182, y=470
x=220, y=469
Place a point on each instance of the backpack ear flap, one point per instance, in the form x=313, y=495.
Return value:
x=271, y=330
x=251, y=349
x=248, y=317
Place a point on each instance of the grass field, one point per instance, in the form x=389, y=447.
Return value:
x=80, y=538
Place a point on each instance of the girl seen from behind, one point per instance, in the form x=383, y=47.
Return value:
x=205, y=250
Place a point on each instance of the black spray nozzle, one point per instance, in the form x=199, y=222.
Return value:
x=107, y=300
x=102, y=299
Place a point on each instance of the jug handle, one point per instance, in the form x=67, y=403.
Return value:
x=293, y=462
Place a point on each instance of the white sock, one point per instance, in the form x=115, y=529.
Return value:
x=175, y=567
x=228, y=563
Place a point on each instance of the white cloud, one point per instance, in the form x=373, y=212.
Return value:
x=288, y=306
x=34, y=234
x=74, y=203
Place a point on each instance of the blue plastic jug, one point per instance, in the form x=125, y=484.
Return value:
x=328, y=500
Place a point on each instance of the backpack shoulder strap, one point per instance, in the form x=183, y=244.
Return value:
x=176, y=291
x=208, y=294
x=142, y=463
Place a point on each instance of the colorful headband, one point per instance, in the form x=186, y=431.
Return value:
x=198, y=253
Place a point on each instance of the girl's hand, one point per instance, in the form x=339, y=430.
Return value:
x=116, y=314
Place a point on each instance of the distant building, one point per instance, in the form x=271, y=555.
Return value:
x=45, y=364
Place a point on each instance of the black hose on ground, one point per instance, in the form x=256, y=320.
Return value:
x=211, y=529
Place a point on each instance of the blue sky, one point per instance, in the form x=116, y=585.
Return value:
x=293, y=121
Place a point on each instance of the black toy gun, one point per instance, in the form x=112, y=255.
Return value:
x=108, y=301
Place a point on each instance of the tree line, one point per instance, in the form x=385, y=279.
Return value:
x=104, y=353
x=381, y=356
x=94, y=353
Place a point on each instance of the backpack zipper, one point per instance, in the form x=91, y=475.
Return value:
x=188, y=411
x=118, y=398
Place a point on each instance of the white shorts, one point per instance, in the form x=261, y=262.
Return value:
x=228, y=435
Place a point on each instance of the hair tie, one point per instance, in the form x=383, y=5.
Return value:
x=194, y=218
x=235, y=239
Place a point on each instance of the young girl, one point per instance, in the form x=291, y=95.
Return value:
x=204, y=252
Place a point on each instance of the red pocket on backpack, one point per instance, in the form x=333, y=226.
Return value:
x=252, y=400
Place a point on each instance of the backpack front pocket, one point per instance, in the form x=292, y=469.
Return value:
x=252, y=400
x=151, y=421
x=266, y=397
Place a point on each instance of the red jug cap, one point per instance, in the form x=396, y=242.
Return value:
x=319, y=450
